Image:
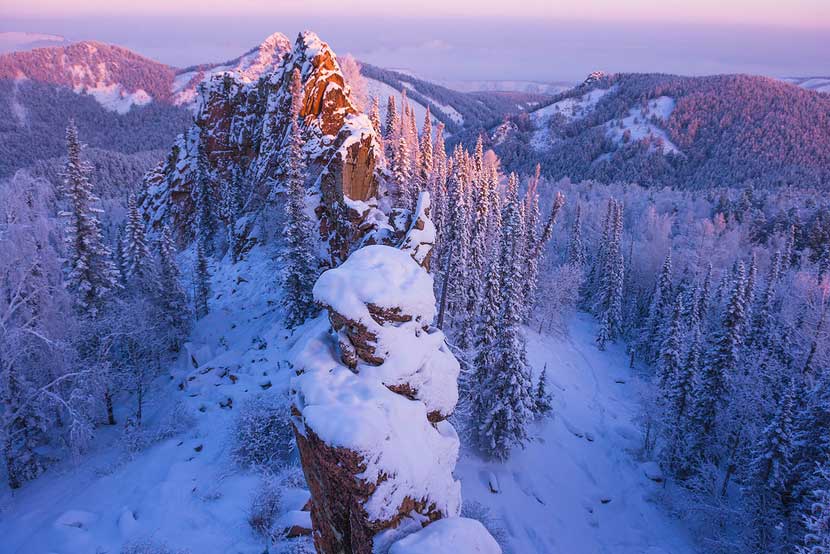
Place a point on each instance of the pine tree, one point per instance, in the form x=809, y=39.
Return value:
x=576, y=250
x=749, y=288
x=402, y=174
x=137, y=260
x=531, y=244
x=711, y=390
x=459, y=221
x=769, y=473
x=611, y=279
x=508, y=388
x=425, y=160
x=375, y=118
x=592, y=282
x=725, y=353
x=171, y=296
x=817, y=518
x=201, y=274
x=204, y=202
x=658, y=311
x=789, y=257
x=543, y=403
x=669, y=358
x=301, y=265
x=91, y=273
x=705, y=295
x=763, y=320
x=476, y=268
x=390, y=131
x=487, y=334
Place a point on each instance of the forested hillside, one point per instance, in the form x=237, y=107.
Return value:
x=665, y=130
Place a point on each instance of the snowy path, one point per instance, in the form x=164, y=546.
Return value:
x=579, y=489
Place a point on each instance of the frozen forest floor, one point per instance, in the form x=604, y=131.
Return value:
x=579, y=487
x=173, y=487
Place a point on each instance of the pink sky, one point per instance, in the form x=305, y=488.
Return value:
x=797, y=13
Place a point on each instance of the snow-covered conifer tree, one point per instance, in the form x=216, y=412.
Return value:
x=542, y=401
x=171, y=296
x=508, y=389
x=669, y=358
x=204, y=202
x=659, y=311
x=817, y=517
x=609, y=305
x=576, y=249
x=137, y=261
x=201, y=282
x=91, y=273
x=769, y=473
x=301, y=265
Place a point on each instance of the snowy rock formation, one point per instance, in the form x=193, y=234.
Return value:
x=242, y=129
x=375, y=384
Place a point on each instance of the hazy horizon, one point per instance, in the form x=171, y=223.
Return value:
x=463, y=48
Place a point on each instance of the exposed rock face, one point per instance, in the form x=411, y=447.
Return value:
x=243, y=128
x=375, y=384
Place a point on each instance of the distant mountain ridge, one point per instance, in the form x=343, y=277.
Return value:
x=667, y=130
x=120, y=78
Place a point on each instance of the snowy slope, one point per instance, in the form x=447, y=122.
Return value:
x=184, y=491
x=638, y=125
x=818, y=84
x=382, y=91
x=578, y=489
x=570, y=109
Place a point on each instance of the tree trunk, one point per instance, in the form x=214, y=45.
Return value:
x=443, y=304
x=14, y=480
x=108, y=401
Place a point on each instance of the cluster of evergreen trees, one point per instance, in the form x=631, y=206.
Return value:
x=731, y=326
x=486, y=262
x=83, y=328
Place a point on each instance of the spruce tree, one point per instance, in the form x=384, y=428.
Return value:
x=300, y=263
x=769, y=473
x=204, y=202
x=375, y=118
x=91, y=273
x=508, y=388
x=390, y=130
x=542, y=401
x=817, y=517
x=710, y=392
x=611, y=280
x=137, y=260
x=201, y=277
x=576, y=250
x=669, y=358
x=459, y=221
x=659, y=311
x=402, y=174
x=425, y=160
x=171, y=296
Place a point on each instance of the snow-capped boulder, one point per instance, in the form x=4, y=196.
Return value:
x=375, y=383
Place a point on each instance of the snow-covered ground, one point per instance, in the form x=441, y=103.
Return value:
x=569, y=108
x=382, y=91
x=638, y=124
x=578, y=489
x=115, y=97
